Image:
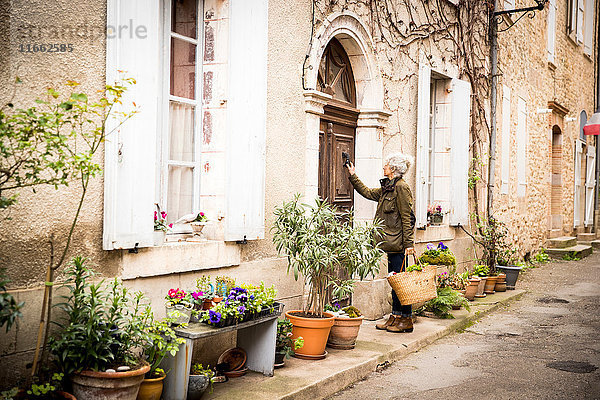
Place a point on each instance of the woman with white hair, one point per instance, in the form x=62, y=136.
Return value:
x=395, y=209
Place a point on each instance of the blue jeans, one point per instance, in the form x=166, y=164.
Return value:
x=395, y=265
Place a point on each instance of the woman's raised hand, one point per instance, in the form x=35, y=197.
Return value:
x=350, y=167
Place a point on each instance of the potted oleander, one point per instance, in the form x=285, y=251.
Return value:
x=102, y=327
x=319, y=242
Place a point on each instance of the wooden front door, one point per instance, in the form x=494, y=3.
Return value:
x=336, y=136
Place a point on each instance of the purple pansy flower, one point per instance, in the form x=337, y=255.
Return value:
x=214, y=316
x=442, y=246
x=430, y=247
x=241, y=309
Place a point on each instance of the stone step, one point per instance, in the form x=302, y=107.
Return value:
x=586, y=237
x=562, y=242
x=579, y=251
x=595, y=244
x=554, y=233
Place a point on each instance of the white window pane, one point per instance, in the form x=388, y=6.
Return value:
x=181, y=132
x=180, y=192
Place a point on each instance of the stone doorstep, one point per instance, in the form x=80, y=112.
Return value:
x=580, y=251
x=595, y=244
x=586, y=237
x=302, y=379
x=561, y=242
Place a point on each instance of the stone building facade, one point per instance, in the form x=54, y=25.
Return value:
x=259, y=111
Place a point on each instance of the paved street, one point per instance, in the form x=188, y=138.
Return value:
x=545, y=346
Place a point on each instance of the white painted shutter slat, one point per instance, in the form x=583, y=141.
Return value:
x=551, y=30
x=422, y=161
x=459, y=179
x=505, y=160
x=130, y=153
x=246, y=119
x=579, y=28
x=522, y=138
x=588, y=40
x=577, y=188
x=590, y=185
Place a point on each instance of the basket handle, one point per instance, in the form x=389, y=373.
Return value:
x=405, y=261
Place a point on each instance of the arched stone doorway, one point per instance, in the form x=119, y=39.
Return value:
x=352, y=36
x=337, y=132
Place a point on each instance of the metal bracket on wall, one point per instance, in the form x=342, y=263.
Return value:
x=500, y=17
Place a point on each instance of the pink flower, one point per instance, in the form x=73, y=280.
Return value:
x=163, y=214
x=155, y=216
x=201, y=214
x=170, y=225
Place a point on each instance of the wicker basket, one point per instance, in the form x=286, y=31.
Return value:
x=415, y=286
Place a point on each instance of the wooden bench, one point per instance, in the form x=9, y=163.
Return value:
x=256, y=337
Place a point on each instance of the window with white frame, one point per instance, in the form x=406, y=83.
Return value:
x=180, y=147
x=155, y=157
x=590, y=14
x=442, y=160
x=522, y=138
x=580, y=16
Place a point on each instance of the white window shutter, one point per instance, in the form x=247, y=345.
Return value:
x=588, y=40
x=422, y=161
x=522, y=138
x=459, y=178
x=590, y=185
x=577, y=176
x=247, y=105
x=130, y=152
x=509, y=4
x=505, y=158
x=551, y=31
x=579, y=28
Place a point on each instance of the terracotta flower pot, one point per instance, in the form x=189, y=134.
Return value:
x=471, y=289
x=151, y=389
x=344, y=332
x=108, y=385
x=501, y=283
x=490, y=283
x=481, y=288
x=314, y=331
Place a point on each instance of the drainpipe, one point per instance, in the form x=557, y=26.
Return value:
x=493, y=103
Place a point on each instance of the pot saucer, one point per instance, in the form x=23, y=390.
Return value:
x=307, y=357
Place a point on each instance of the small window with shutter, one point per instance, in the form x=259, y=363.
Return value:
x=442, y=160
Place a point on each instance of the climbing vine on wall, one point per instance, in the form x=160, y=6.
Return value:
x=406, y=32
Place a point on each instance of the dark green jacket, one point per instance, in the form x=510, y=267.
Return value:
x=395, y=209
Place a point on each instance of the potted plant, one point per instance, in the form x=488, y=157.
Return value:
x=481, y=271
x=160, y=227
x=205, y=291
x=447, y=298
x=284, y=344
x=103, y=326
x=319, y=242
x=159, y=341
x=178, y=306
x=200, y=379
x=345, y=328
x=199, y=223
x=435, y=215
x=508, y=265
x=440, y=256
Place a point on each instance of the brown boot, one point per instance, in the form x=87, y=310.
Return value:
x=390, y=321
x=402, y=324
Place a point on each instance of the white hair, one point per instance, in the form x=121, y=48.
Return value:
x=399, y=163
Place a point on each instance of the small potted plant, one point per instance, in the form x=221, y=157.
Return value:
x=178, y=306
x=440, y=256
x=160, y=227
x=435, y=215
x=199, y=223
x=284, y=344
x=205, y=291
x=159, y=341
x=481, y=271
x=447, y=299
x=319, y=243
x=200, y=379
x=345, y=329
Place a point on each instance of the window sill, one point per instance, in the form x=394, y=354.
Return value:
x=179, y=257
x=434, y=233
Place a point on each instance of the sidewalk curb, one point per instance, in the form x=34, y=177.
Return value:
x=342, y=379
